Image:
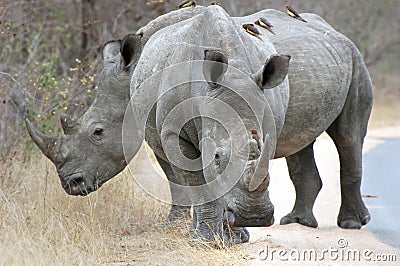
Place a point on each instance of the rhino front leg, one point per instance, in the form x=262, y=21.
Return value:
x=177, y=212
x=207, y=217
x=209, y=221
x=307, y=182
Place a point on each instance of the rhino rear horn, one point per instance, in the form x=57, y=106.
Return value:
x=69, y=124
x=214, y=67
x=48, y=145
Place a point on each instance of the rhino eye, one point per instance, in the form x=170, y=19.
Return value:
x=98, y=131
x=217, y=156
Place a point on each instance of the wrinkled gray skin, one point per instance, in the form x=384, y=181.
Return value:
x=330, y=90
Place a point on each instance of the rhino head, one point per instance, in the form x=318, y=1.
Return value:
x=241, y=134
x=90, y=151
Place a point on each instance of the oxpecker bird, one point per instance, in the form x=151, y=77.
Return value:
x=251, y=29
x=213, y=3
x=254, y=135
x=187, y=4
x=265, y=24
x=293, y=13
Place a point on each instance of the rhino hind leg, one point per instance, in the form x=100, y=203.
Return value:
x=353, y=214
x=177, y=212
x=307, y=182
x=348, y=132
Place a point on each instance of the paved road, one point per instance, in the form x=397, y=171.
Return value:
x=382, y=179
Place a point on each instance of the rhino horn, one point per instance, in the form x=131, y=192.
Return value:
x=69, y=124
x=45, y=143
x=260, y=178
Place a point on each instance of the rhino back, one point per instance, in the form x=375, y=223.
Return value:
x=320, y=75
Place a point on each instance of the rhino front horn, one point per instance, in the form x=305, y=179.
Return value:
x=45, y=143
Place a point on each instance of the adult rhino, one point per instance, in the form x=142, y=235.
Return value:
x=247, y=114
x=90, y=151
x=330, y=90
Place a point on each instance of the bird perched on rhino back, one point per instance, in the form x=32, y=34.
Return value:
x=187, y=4
x=262, y=22
x=249, y=28
x=293, y=13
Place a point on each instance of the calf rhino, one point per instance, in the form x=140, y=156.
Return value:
x=328, y=89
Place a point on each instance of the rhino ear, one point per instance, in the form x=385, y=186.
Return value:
x=214, y=67
x=130, y=48
x=110, y=50
x=273, y=72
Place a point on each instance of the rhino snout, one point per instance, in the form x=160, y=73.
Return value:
x=247, y=209
x=78, y=184
x=235, y=219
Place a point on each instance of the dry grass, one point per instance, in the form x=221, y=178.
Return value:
x=118, y=225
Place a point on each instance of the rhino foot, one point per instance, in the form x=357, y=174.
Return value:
x=353, y=219
x=236, y=235
x=230, y=236
x=206, y=239
x=303, y=218
x=178, y=213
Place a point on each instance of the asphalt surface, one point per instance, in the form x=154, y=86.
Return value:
x=381, y=189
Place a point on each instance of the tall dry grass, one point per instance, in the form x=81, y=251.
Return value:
x=118, y=225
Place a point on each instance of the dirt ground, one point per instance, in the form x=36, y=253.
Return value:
x=122, y=225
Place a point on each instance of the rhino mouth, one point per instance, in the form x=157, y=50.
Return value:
x=236, y=218
x=248, y=209
x=78, y=184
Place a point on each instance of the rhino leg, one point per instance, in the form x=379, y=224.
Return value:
x=207, y=217
x=177, y=212
x=209, y=226
x=348, y=132
x=209, y=221
x=307, y=182
x=353, y=214
x=232, y=235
